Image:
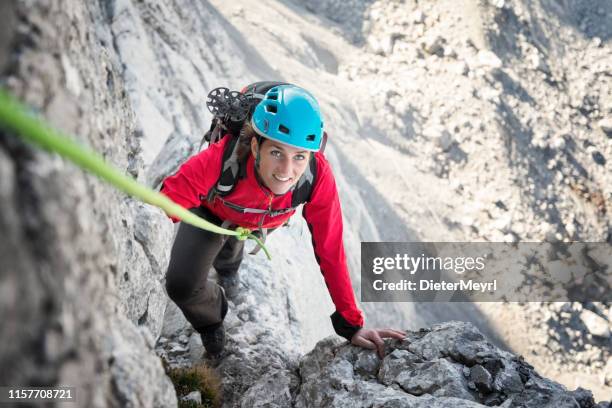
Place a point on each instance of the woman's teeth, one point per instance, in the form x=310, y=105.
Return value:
x=283, y=179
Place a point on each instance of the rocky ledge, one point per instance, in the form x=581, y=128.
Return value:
x=450, y=365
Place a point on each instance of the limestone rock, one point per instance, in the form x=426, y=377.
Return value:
x=427, y=369
x=597, y=325
x=433, y=45
x=488, y=59
x=606, y=126
x=194, y=397
x=481, y=378
x=440, y=135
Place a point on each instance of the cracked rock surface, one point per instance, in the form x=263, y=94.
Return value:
x=449, y=365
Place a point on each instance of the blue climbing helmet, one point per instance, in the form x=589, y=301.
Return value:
x=291, y=115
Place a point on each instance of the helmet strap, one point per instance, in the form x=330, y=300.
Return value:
x=257, y=157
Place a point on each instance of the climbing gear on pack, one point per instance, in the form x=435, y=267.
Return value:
x=18, y=119
x=230, y=109
x=290, y=115
x=231, y=105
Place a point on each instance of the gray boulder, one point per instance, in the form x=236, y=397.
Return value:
x=451, y=364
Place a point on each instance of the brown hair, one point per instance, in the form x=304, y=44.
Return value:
x=244, y=142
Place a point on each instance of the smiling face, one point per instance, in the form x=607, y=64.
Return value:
x=280, y=165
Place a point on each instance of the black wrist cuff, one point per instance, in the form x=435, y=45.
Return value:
x=342, y=327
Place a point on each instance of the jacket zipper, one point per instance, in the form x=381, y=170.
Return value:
x=263, y=217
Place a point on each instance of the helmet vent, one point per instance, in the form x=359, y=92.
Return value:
x=310, y=138
x=283, y=129
x=271, y=108
x=272, y=96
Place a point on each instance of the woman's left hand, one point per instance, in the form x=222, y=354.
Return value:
x=373, y=338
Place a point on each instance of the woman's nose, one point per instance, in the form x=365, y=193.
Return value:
x=285, y=166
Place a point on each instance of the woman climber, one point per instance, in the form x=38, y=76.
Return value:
x=256, y=180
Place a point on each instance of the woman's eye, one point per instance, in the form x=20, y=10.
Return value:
x=275, y=153
x=299, y=157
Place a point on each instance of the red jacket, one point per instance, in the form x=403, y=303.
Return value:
x=191, y=184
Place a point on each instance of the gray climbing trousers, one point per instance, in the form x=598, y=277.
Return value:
x=194, y=253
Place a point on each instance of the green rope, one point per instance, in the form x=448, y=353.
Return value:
x=16, y=118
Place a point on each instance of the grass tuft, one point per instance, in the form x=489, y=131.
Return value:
x=196, y=378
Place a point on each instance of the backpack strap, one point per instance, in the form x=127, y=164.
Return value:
x=213, y=135
x=305, y=185
x=303, y=189
x=230, y=170
x=247, y=210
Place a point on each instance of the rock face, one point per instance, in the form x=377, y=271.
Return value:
x=82, y=302
x=449, y=365
x=81, y=294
